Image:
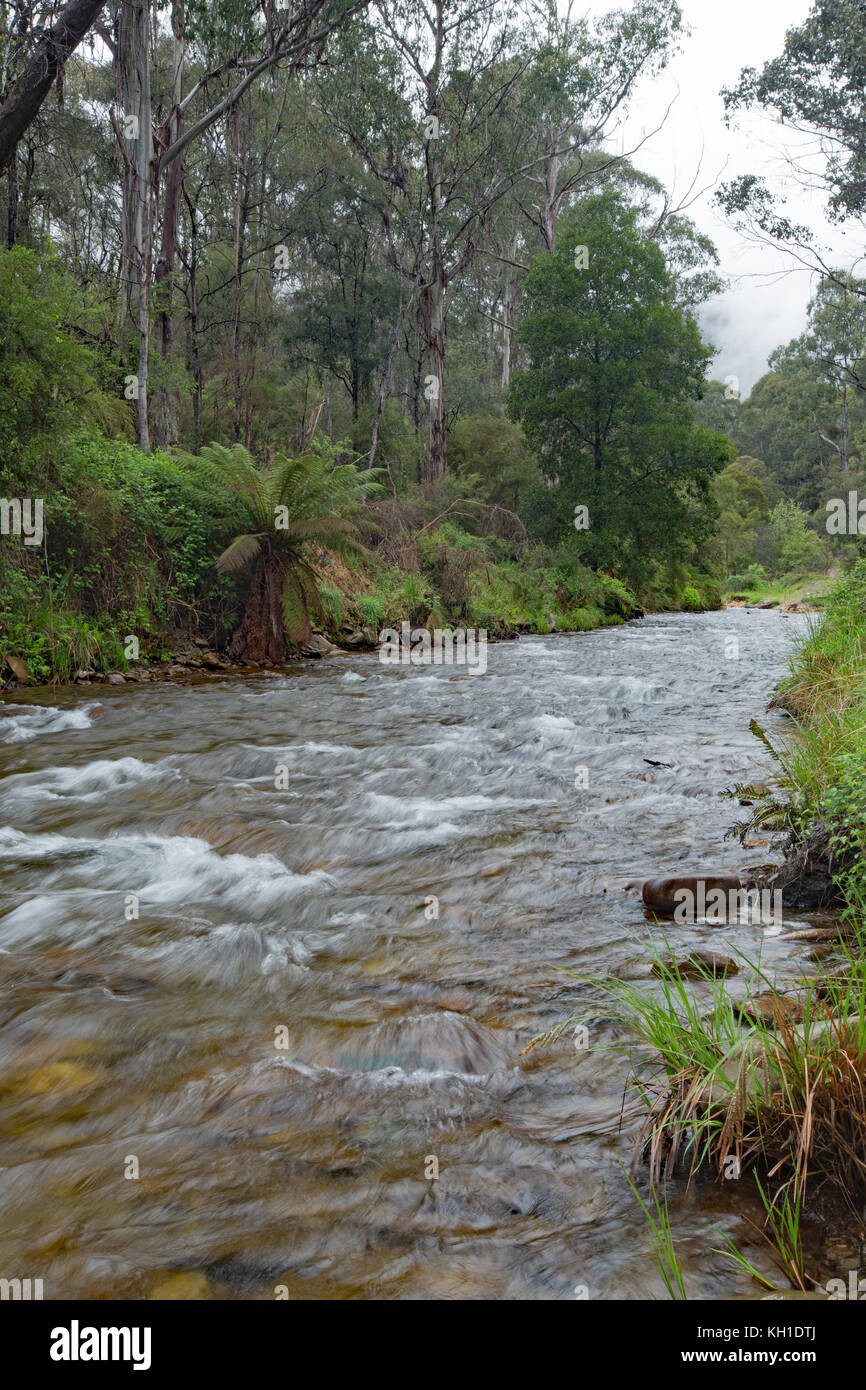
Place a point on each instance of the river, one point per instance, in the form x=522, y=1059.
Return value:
x=271, y=948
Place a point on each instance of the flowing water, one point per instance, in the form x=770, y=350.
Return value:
x=276, y=944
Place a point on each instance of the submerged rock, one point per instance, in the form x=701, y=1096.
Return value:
x=699, y=963
x=769, y=1008
x=179, y=1286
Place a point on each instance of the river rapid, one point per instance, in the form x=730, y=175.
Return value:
x=271, y=949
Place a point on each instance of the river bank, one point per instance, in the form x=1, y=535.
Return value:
x=193, y=659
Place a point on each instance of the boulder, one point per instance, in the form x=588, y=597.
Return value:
x=659, y=894
x=115, y=678
x=317, y=646
x=212, y=660
x=19, y=669
x=364, y=639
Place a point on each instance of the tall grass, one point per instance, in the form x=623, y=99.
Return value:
x=777, y=1095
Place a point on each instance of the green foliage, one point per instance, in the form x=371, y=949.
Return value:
x=128, y=549
x=490, y=454
x=743, y=512
x=815, y=83
x=52, y=376
x=607, y=397
x=752, y=578
x=791, y=544
x=372, y=609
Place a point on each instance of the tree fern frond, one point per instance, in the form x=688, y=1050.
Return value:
x=239, y=553
x=233, y=471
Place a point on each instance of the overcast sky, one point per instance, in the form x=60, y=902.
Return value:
x=763, y=306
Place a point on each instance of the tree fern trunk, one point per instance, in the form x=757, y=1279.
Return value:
x=260, y=635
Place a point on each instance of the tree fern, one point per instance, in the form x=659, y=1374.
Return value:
x=289, y=506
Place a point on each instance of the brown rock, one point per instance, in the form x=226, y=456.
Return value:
x=699, y=963
x=361, y=640
x=660, y=893
x=317, y=646
x=19, y=669
x=769, y=1008
x=115, y=678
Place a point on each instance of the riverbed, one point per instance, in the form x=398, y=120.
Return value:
x=271, y=949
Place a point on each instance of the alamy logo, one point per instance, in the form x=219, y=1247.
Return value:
x=856, y=1289
x=441, y=647
x=846, y=520
x=75, y=1343
x=20, y=1289
x=19, y=518
x=735, y=905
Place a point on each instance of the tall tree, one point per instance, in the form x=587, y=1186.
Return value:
x=607, y=398
x=815, y=86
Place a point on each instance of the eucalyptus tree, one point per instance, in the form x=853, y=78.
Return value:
x=578, y=84
x=814, y=87
x=36, y=39
x=246, y=41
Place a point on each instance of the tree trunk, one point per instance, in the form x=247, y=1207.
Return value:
x=434, y=327
x=260, y=635
x=24, y=99
x=192, y=315
x=12, y=203
x=164, y=402
x=551, y=178
x=133, y=82
x=242, y=212
x=434, y=292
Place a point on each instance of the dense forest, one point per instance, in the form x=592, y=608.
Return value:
x=370, y=244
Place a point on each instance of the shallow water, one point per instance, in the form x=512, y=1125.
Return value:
x=356, y=888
